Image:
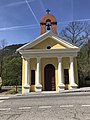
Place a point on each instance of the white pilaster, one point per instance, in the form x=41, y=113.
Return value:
x=38, y=86
x=60, y=81
x=72, y=77
x=27, y=71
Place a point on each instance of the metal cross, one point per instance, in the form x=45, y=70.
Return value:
x=48, y=11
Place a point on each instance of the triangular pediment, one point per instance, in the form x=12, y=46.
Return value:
x=49, y=43
x=47, y=40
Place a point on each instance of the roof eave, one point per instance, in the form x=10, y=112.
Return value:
x=49, y=51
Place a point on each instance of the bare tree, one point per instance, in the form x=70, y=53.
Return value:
x=75, y=32
x=3, y=43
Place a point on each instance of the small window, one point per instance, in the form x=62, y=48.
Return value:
x=48, y=47
x=66, y=76
x=32, y=77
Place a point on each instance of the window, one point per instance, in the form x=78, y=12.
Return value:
x=32, y=77
x=48, y=47
x=66, y=76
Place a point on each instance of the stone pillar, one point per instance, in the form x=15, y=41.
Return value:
x=38, y=86
x=27, y=71
x=71, y=74
x=61, y=86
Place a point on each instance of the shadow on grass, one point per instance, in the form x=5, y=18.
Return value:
x=3, y=90
x=10, y=91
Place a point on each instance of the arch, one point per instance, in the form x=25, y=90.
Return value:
x=48, y=18
x=49, y=78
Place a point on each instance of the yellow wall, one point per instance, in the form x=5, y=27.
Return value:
x=49, y=42
x=65, y=65
x=33, y=67
x=44, y=62
x=33, y=63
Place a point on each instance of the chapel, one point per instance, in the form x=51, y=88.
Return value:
x=49, y=63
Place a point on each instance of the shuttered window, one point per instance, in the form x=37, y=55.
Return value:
x=32, y=77
x=66, y=76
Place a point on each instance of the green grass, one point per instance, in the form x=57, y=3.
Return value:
x=13, y=90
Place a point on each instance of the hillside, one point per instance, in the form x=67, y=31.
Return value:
x=10, y=50
x=10, y=63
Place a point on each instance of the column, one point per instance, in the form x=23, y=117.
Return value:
x=72, y=77
x=38, y=86
x=27, y=71
x=60, y=81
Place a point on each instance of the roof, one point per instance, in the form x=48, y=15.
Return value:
x=43, y=37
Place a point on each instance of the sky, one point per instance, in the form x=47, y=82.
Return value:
x=20, y=19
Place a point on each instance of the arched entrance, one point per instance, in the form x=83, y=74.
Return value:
x=49, y=78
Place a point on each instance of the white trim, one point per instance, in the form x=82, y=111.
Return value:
x=63, y=42
x=72, y=73
x=60, y=81
x=26, y=85
x=38, y=86
x=32, y=43
x=48, y=55
x=49, y=51
x=38, y=72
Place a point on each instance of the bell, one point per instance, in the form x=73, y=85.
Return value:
x=48, y=26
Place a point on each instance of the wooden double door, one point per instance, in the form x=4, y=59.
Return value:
x=49, y=78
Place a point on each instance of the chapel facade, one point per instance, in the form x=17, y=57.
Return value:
x=49, y=63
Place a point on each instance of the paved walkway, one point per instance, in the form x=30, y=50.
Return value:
x=73, y=92
x=83, y=89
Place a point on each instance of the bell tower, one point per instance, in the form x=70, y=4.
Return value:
x=48, y=22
